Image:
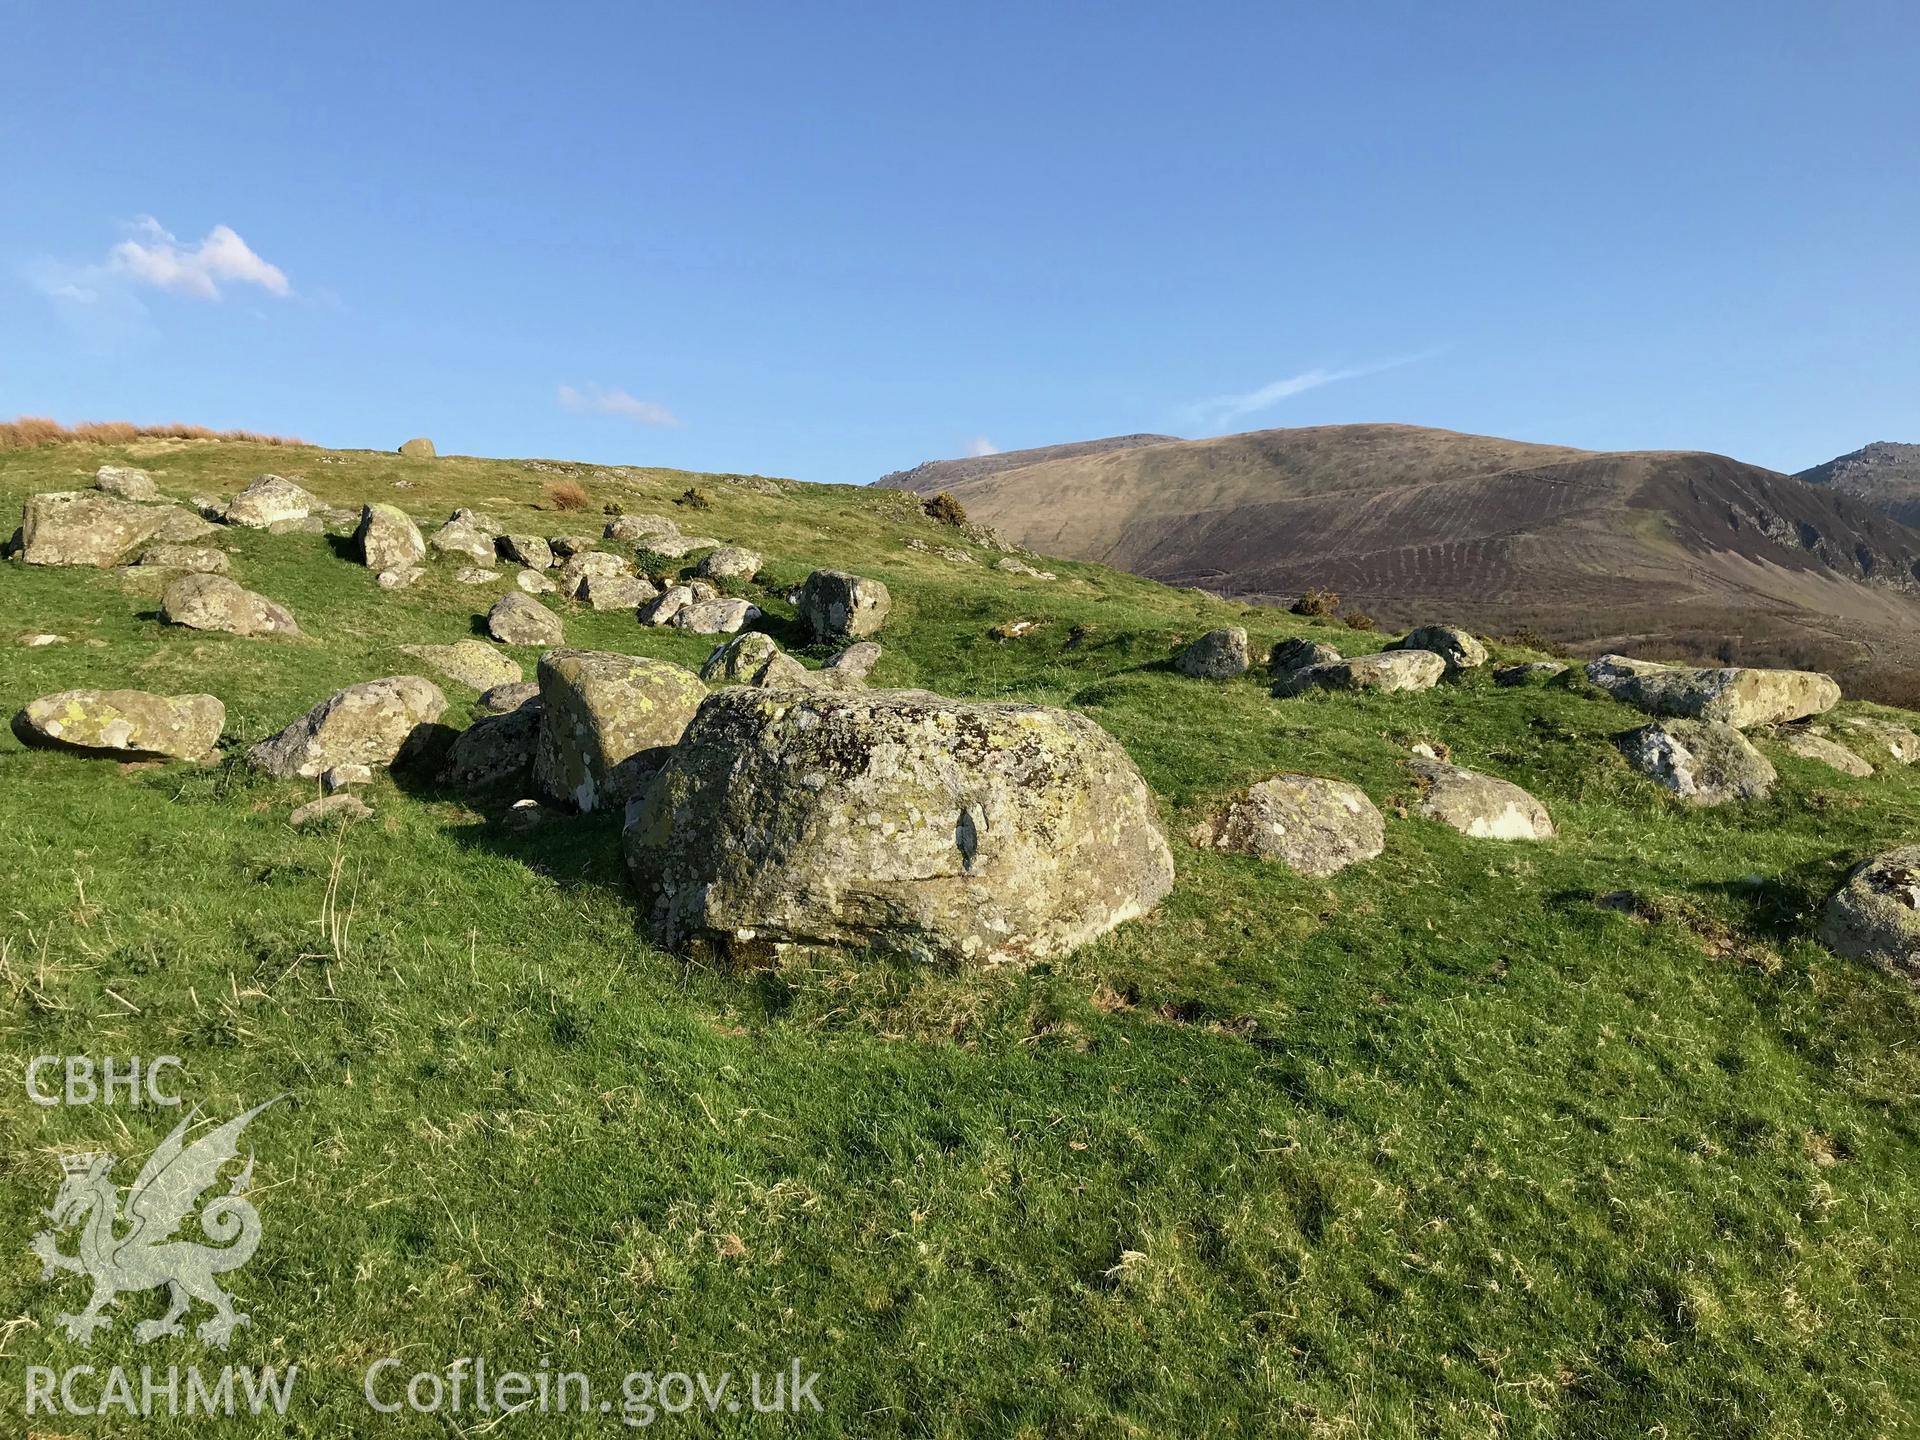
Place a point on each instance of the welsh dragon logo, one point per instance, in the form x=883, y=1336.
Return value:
x=146, y=1255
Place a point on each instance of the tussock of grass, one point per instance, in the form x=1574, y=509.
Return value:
x=27, y=432
x=1580, y=1139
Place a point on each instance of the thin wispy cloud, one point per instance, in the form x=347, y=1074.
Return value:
x=981, y=445
x=595, y=401
x=1224, y=409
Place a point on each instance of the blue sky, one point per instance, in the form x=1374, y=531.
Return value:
x=828, y=241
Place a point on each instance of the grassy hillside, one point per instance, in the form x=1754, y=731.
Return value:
x=1585, y=1138
x=1692, y=555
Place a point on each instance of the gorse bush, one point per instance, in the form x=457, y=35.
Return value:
x=1317, y=602
x=694, y=500
x=566, y=495
x=947, y=510
x=1360, y=620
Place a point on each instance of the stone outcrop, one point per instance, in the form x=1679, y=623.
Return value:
x=1482, y=806
x=387, y=539
x=377, y=722
x=502, y=699
x=1702, y=761
x=518, y=619
x=1314, y=826
x=618, y=591
x=897, y=820
x=714, y=617
x=835, y=606
x=1884, y=737
x=1456, y=647
x=213, y=602
x=608, y=722
x=496, y=752
x=1217, y=655
x=754, y=659
x=1740, y=697
x=1875, y=915
x=528, y=550
x=1293, y=655
x=123, y=724
x=91, y=527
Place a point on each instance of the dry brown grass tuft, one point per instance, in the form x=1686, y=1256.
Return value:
x=566, y=495
x=29, y=431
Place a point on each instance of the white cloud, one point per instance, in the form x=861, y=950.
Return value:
x=981, y=445
x=595, y=401
x=154, y=257
x=1223, y=409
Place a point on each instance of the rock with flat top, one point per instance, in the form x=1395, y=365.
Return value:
x=529, y=550
x=1390, y=672
x=418, y=448
x=1736, y=696
x=608, y=722
x=1456, y=647
x=729, y=562
x=617, y=591
x=1809, y=745
x=835, y=606
x=470, y=662
x=125, y=481
x=123, y=724
x=199, y=559
x=1883, y=737
x=1311, y=825
x=91, y=527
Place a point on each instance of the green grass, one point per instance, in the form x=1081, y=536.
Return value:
x=1441, y=1146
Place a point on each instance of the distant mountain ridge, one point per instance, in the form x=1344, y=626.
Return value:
x=1666, y=552
x=1885, y=474
x=930, y=477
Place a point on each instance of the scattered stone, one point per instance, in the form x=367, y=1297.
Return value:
x=729, y=562
x=496, y=751
x=465, y=533
x=565, y=547
x=504, y=699
x=670, y=603
x=618, y=591
x=1292, y=655
x=755, y=659
x=419, y=448
x=1532, y=672
x=848, y=670
x=1739, y=697
x=213, y=602
x=675, y=546
x=1875, y=915
x=1456, y=647
x=200, y=559
x=312, y=525
x=376, y=722
x=1896, y=740
x=535, y=583
x=267, y=500
x=608, y=722
x=90, y=527
x=640, y=529
x=1013, y=629
x=590, y=562
x=342, y=809
x=1811, y=746
x=40, y=639
x=836, y=606
x=345, y=777
x=387, y=539
x=939, y=829
x=470, y=662
x=714, y=617
x=123, y=724
x=1702, y=761
x=526, y=814
x=958, y=557
x=1216, y=655
x=1020, y=567
x=126, y=482
x=1389, y=672
x=474, y=575
x=528, y=550
x=1479, y=805
x=517, y=619
x=400, y=578
x=1311, y=825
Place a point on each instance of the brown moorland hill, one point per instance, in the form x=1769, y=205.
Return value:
x=1685, y=554
x=1885, y=475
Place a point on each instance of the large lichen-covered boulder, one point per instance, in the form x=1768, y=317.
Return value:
x=470, y=662
x=377, y=722
x=834, y=605
x=518, y=619
x=1483, y=806
x=91, y=527
x=585, y=563
x=123, y=724
x=213, y=602
x=528, y=550
x=1875, y=915
x=1460, y=650
x=984, y=833
x=387, y=539
x=418, y=448
x=1217, y=655
x=1701, y=761
x=1312, y=825
x=755, y=659
x=1389, y=672
x=465, y=533
x=729, y=562
x=269, y=500
x=1737, y=696
x=714, y=617
x=607, y=723
x=619, y=591
x=641, y=529
x=126, y=482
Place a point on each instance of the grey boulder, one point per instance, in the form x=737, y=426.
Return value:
x=269, y=500
x=472, y=663
x=834, y=605
x=388, y=540
x=1217, y=655
x=377, y=722
x=213, y=602
x=1702, y=761
x=1390, y=672
x=607, y=723
x=125, y=481
x=465, y=533
x=1314, y=826
x=123, y=724
x=1456, y=647
x=1875, y=915
x=518, y=619
x=1737, y=696
x=1482, y=806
